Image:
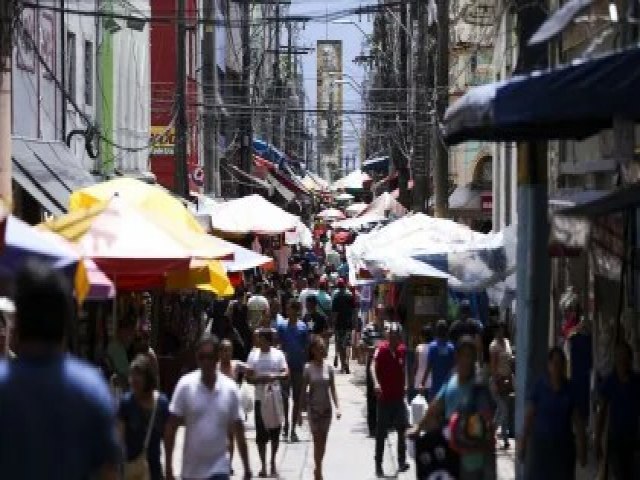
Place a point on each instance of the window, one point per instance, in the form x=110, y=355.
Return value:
x=71, y=66
x=88, y=73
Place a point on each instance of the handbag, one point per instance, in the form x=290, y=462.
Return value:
x=504, y=384
x=138, y=468
x=271, y=407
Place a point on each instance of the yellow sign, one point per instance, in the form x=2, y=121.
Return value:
x=163, y=140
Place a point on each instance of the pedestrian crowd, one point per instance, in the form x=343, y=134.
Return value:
x=58, y=420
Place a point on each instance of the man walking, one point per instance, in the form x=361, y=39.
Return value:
x=315, y=320
x=389, y=382
x=343, y=308
x=266, y=368
x=440, y=360
x=209, y=407
x=466, y=326
x=56, y=413
x=294, y=340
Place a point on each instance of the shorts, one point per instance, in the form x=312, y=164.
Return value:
x=343, y=338
x=392, y=415
x=263, y=436
x=292, y=386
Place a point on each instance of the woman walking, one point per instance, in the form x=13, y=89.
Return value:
x=319, y=377
x=142, y=416
x=550, y=422
x=501, y=380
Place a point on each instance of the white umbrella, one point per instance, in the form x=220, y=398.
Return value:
x=331, y=214
x=345, y=197
x=356, y=209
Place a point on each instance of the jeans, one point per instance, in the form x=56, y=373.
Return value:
x=502, y=415
x=391, y=415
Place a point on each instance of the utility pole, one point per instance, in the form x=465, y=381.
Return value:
x=246, y=132
x=399, y=157
x=210, y=96
x=181, y=178
x=441, y=163
x=277, y=89
x=532, y=274
x=421, y=150
x=6, y=43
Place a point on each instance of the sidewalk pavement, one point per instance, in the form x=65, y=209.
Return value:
x=349, y=450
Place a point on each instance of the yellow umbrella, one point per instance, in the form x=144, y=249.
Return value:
x=149, y=198
x=73, y=226
x=208, y=276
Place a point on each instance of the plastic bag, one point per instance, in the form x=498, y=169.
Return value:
x=246, y=398
x=271, y=407
x=418, y=408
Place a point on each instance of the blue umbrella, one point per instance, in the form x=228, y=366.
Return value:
x=571, y=102
x=23, y=242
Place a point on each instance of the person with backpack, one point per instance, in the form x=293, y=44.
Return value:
x=467, y=408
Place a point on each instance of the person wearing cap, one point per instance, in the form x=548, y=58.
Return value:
x=388, y=372
x=462, y=391
x=343, y=312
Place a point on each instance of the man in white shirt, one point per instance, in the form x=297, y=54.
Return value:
x=309, y=289
x=266, y=368
x=258, y=307
x=209, y=407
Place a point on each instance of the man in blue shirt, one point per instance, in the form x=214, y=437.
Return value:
x=294, y=341
x=440, y=360
x=621, y=399
x=56, y=412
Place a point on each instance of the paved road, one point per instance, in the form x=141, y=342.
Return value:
x=349, y=451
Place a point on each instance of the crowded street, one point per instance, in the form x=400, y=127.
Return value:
x=319, y=239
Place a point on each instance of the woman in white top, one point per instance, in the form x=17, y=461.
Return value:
x=502, y=379
x=420, y=361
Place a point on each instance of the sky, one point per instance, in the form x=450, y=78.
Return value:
x=352, y=39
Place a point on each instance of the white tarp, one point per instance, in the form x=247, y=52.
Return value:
x=470, y=260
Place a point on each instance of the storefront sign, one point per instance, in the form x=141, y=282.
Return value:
x=163, y=140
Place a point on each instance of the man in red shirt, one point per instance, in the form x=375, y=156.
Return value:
x=388, y=371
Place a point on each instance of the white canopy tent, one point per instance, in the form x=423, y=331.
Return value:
x=353, y=181
x=251, y=214
x=385, y=204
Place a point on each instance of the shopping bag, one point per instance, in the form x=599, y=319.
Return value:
x=271, y=407
x=246, y=398
x=418, y=408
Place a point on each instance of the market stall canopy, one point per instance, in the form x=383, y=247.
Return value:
x=204, y=275
x=22, y=242
x=331, y=214
x=356, y=209
x=152, y=198
x=385, y=205
x=355, y=180
x=344, y=197
x=245, y=259
x=252, y=214
x=376, y=164
x=121, y=240
x=99, y=286
x=476, y=260
x=571, y=102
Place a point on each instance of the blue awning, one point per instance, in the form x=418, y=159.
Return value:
x=377, y=164
x=269, y=152
x=571, y=102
